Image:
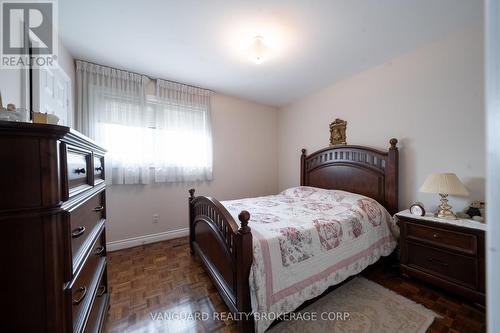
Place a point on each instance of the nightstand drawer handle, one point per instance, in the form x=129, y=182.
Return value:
x=442, y=263
x=435, y=236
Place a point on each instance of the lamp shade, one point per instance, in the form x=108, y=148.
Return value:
x=444, y=183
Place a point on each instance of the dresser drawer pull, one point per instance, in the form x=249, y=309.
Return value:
x=98, y=208
x=77, y=232
x=435, y=261
x=101, y=291
x=435, y=236
x=79, y=171
x=98, y=169
x=100, y=251
x=83, y=293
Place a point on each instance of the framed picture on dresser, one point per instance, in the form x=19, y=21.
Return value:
x=51, y=92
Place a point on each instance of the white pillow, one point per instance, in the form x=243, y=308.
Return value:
x=300, y=191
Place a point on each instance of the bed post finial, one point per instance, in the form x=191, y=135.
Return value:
x=192, y=214
x=244, y=216
x=393, y=143
x=303, y=158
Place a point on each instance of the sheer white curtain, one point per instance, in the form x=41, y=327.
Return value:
x=105, y=94
x=181, y=115
x=162, y=138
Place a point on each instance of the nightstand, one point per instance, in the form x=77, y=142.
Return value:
x=445, y=253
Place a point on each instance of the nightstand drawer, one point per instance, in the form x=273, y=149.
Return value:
x=458, y=268
x=457, y=241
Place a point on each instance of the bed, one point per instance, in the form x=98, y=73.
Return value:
x=292, y=246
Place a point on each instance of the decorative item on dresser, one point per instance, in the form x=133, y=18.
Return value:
x=52, y=213
x=447, y=253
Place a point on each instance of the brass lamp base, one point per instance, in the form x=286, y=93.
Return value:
x=444, y=209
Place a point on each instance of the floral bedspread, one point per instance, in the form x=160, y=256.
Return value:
x=307, y=239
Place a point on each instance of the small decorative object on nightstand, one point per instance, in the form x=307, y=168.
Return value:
x=417, y=209
x=444, y=184
x=475, y=210
x=443, y=252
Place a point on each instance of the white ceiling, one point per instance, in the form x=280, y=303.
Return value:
x=315, y=43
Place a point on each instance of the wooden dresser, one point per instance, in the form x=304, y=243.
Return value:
x=448, y=255
x=52, y=218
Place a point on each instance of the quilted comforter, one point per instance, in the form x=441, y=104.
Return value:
x=307, y=239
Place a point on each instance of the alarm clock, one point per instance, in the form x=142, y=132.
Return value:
x=417, y=209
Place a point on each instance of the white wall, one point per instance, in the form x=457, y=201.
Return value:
x=430, y=99
x=493, y=159
x=245, y=165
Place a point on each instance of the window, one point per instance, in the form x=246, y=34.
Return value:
x=164, y=138
x=167, y=142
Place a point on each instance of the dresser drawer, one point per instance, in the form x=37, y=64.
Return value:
x=99, y=307
x=85, y=284
x=83, y=220
x=98, y=169
x=76, y=170
x=466, y=243
x=457, y=268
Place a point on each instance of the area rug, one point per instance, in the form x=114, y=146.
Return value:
x=359, y=306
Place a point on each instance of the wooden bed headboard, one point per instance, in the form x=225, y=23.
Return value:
x=356, y=169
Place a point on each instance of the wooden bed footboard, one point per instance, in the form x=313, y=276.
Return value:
x=226, y=252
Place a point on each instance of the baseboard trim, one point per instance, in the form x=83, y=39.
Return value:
x=146, y=239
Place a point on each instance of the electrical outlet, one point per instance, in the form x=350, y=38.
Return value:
x=156, y=218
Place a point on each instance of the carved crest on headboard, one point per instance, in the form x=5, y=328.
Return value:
x=337, y=132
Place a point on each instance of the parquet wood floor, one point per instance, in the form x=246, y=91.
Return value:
x=152, y=282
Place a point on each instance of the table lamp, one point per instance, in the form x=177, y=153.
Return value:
x=444, y=184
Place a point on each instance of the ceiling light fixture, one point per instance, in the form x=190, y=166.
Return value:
x=258, y=50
